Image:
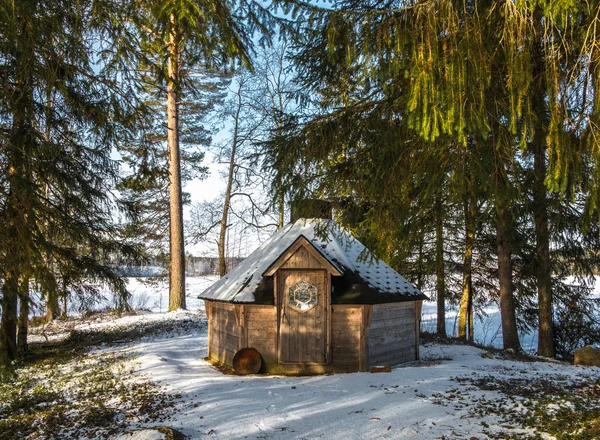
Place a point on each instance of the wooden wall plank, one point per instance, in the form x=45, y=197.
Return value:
x=418, y=307
x=346, y=314
x=384, y=315
x=391, y=334
x=207, y=306
x=375, y=350
x=327, y=319
x=392, y=357
x=366, y=316
x=262, y=331
x=393, y=328
x=224, y=339
x=384, y=323
x=346, y=337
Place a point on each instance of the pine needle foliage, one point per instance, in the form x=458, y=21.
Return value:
x=399, y=95
x=442, y=53
x=66, y=102
x=180, y=37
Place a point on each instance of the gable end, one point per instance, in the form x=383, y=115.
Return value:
x=299, y=245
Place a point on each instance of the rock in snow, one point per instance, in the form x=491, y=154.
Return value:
x=588, y=355
x=156, y=433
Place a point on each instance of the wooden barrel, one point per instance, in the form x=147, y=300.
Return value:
x=247, y=361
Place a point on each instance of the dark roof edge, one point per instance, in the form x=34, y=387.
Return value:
x=398, y=300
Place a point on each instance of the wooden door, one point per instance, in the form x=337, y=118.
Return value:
x=303, y=306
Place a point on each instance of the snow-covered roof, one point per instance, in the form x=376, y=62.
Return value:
x=365, y=278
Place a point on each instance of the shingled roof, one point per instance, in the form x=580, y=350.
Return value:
x=365, y=279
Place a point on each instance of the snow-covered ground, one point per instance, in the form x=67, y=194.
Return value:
x=431, y=399
x=454, y=392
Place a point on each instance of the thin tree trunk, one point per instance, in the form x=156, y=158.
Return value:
x=546, y=330
x=52, y=310
x=466, y=301
x=177, y=251
x=227, y=203
x=281, y=210
x=439, y=271
x=540, y=202
x=510, y=336
x=471, y=331
x=23, y=316
x=420, y=265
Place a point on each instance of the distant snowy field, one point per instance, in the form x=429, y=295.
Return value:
x=488, y=328
x=147, y=293
x=154, y=296
x=151, y=295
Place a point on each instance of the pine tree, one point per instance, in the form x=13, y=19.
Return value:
x=210, y=34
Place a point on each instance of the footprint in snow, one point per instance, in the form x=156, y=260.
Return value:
x=271, y=408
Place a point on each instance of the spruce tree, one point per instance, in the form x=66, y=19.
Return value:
x=62, y=111
x=507, y=77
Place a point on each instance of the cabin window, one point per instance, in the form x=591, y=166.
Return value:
x=303, y=296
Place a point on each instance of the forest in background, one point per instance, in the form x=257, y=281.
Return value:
x=457, y=139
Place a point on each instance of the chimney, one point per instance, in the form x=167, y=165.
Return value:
x=310, y=208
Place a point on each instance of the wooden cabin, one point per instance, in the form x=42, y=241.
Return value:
x=313, y=300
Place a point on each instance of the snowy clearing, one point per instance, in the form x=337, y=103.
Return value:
x=454, y=392
x=413, y=402
x=156, y=361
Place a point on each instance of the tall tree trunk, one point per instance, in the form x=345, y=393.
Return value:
x=544, y=283
x=8, y=329
x=177, y=251
x=281, y=221
x=440, y=285
x=64, y=310
x=420, y=265
x=18, y=152
x=52, y=310
x=23, y=316
x=510, y=336
x=540, y=202
x=466, y=301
